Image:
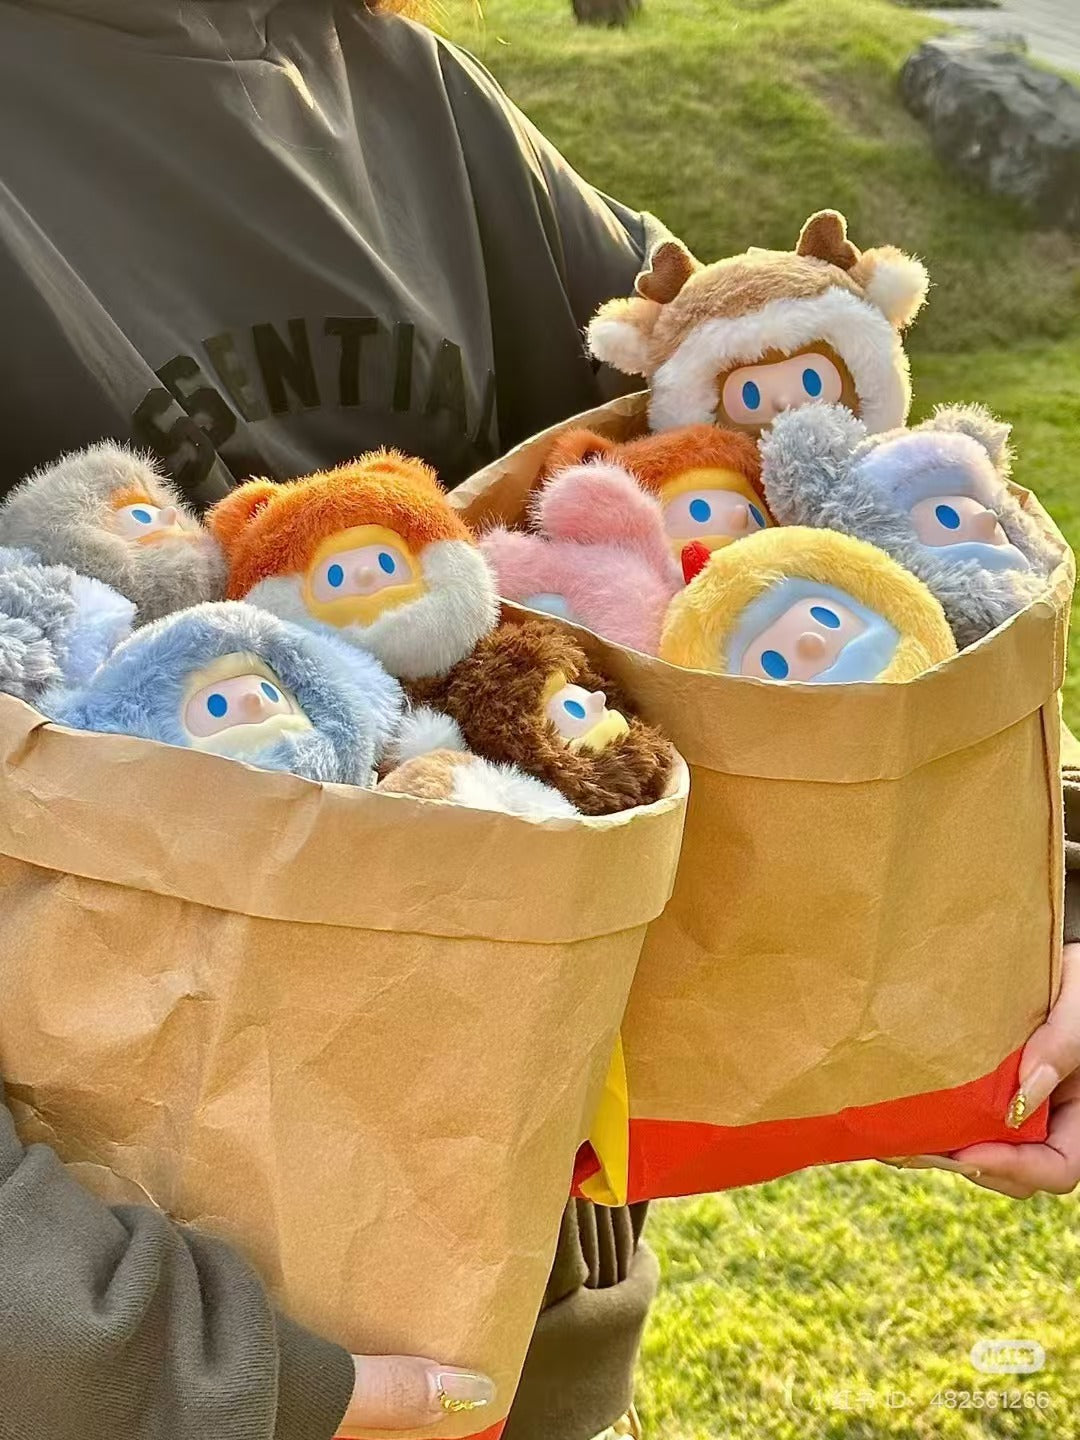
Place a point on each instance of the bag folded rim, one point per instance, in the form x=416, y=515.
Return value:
x=112, y=808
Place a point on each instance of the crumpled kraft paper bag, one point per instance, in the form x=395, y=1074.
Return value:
x=359, y=1035
x=866, y=922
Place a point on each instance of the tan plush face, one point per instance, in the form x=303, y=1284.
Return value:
x=581, y=716
x=357, y=574
x=237, y=704
x=136, y=517
x=714, y=507
x=750, y=396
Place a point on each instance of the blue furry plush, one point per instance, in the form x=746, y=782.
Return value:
x=354, y=706
x=821, y=468
x=56, y=627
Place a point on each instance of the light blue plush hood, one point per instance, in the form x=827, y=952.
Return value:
x=56, y=627
x=354, y=706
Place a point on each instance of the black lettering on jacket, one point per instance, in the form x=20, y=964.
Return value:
x=282, y=366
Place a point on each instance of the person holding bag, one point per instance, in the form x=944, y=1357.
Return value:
x=259, y=237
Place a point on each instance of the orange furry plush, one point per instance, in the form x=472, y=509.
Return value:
x=370, y=552
x=708, y=480
x=528, y=696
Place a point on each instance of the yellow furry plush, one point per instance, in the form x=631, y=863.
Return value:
x=848, y=585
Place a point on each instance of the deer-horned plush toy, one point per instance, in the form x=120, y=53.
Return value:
x=934, y=497
x=601, y=558
x=110, y=513
x=232, y=680
x=707, y=480
x=370, y=552
x=740, y=340
x=56, y=627
x=810, y=605
x=528, y=696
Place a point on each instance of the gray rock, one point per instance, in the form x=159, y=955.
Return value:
x=1001, y=121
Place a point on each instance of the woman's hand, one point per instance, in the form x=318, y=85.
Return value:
x=1049, y=1069
x=403, y=1392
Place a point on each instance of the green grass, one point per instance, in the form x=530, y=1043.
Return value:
x=733, y=120
x=863, y=1288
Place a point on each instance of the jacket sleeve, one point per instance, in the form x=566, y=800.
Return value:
x=554, y=249
x=1071, y=781
x=116, y=1323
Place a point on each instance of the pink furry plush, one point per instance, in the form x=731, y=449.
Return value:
x=602, y=558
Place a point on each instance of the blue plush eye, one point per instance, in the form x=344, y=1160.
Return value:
x=335, y=576
x=948, y=517
x=269, y=691
x=387, y=563
x=700, y=510
x=142, y=516
x=751, y=395
x=758, y=516
x=823, y=616
x=574, y=708
x=811, y=381
x=774, y=665
x=217, y=705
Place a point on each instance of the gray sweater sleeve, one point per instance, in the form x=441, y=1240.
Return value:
x=117, y=1325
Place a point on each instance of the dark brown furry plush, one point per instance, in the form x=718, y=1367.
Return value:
x=496, y=697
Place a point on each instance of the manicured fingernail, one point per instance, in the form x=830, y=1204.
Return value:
x=460, y=1390
x=1039, y=1086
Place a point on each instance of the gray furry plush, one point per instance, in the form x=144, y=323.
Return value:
x=353, y=704
x=820, y=467
x=62, y=513
x=56, y=627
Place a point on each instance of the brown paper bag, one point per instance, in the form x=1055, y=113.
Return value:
x=360, y=1035
x=866, y=923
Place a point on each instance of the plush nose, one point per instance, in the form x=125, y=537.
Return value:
x=253, y=706
x=788, y=394
x=984, y=525
x=597, y=701
x=168, y=515
x=739, y=520
x=811, y=645
x=364, y=577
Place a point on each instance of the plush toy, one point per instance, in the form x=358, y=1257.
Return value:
x=742, y=339
x=56, y=627
x=528, y=696
x=601, y=558
x=809, y=605
x=237, y=681
x=934, y=497
x=466, y=779
x=370, y=552
x=109, y=513
x=707, y=480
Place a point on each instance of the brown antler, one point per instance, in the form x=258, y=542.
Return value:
x=670, y=266
x=824, y=237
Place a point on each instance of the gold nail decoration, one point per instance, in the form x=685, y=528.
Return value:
x=1018, y=1111
x=458, y=1407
